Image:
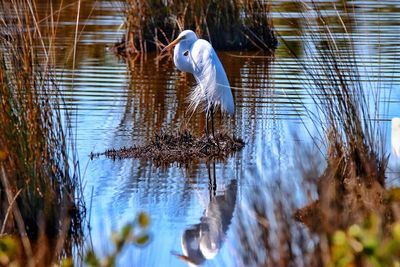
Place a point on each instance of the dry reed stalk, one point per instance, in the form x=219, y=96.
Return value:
x=17, y=216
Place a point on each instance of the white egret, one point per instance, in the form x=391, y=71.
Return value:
x=396, y=137
x=198, y=57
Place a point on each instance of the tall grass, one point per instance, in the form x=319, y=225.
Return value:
x=226, y=24
x=347, y=108
x=347, y=116
x=352, y=186
x=40, y=187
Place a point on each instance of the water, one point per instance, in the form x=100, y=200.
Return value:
x=113, y=106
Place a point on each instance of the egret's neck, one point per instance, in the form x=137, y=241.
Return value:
x=183, y=56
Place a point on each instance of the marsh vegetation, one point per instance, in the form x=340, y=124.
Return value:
x=40, y=189
x=226, y=24
x=326, y=204
x=351, y=216
x=181, y=147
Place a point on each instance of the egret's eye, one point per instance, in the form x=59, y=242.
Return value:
x=186, y=53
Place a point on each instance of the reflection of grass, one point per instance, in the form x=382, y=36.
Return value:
x=353, y=184
x=39, y=182
x=227, y=24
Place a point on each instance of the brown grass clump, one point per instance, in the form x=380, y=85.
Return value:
x=182, y=147
x=226, y=24
x=344, y=199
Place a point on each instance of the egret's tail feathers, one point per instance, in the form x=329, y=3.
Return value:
x=197, y=99
x=226, y=101
x=203, y=93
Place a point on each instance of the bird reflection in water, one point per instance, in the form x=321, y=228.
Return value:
x=202, y=241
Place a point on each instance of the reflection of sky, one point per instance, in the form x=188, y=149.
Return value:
x=108, y=112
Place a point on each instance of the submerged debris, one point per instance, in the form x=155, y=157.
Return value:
x=122, y=49
x=181, y=147
x=119, y=49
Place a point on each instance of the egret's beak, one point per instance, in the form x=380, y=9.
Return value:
x=171, y=44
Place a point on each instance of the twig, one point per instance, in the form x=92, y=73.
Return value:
x=8, y=212
x=18, y=217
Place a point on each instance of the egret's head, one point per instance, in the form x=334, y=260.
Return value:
x=185, y=36
x=190, y=246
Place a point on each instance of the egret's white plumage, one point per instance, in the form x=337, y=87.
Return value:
x=198, y=57
x=396, y=136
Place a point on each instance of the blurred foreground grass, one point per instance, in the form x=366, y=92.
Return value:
x=135, y=233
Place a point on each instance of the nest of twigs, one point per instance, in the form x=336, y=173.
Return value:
x=181, y=147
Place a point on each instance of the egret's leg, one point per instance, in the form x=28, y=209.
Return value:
x=212, y=121
x=212, y=127
x=207, y=115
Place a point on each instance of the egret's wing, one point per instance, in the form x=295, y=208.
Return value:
x=223, y=94
x=204, y=73
x=212, y=83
